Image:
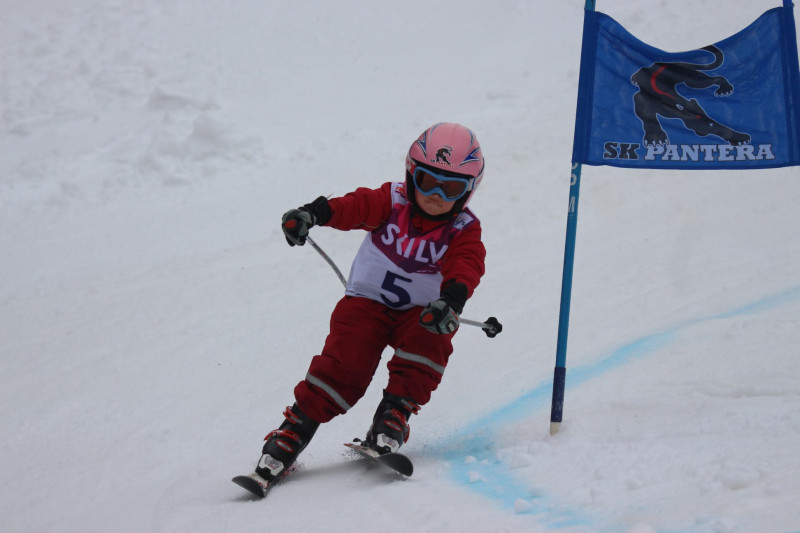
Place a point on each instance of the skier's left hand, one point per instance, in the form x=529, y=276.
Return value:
x=439, y=317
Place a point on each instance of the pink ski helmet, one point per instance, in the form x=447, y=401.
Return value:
x=448, y=149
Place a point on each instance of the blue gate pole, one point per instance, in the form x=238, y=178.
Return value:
x=560, y=373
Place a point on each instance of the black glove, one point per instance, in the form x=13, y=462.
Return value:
x=438, y=317
x=295, y=225
x=441, y=316
x=296, y=222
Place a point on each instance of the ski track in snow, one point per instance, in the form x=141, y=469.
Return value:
x=485, y=471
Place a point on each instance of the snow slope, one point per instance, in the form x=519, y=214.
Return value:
x=153, y=322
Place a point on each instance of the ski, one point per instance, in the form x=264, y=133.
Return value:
x=259, y=486
x=396, y=461
x=255, y=484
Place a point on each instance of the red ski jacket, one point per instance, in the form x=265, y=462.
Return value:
x=369, y=209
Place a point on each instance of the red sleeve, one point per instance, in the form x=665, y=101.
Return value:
x=361, y=209
x=464, y=259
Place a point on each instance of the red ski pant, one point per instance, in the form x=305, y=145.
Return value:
x=360, y=330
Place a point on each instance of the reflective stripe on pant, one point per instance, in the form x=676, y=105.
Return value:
x=360, y=330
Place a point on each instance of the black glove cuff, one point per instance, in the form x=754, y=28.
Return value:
x=320, y=210
x=455, y=294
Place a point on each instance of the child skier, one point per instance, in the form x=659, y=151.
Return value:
x=421, y=259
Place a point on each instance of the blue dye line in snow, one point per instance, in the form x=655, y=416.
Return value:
x=472, y=452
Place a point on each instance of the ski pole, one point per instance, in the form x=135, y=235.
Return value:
x=327, y=258
x=492, y=327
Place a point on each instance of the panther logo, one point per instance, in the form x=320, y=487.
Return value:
x=441, y=155
x=658, y=96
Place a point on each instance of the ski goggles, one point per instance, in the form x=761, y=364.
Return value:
x=448, y=187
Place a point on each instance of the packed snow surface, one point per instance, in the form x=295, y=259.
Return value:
x=153, y=321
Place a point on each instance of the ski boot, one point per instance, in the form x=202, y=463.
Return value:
x=285, y=443
x=390, y=428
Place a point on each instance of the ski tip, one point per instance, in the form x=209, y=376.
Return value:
x=396, y=461
x=254, y=484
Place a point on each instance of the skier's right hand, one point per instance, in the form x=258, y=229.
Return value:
x=295, y=225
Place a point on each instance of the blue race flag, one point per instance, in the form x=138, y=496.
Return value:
x=731, y=105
